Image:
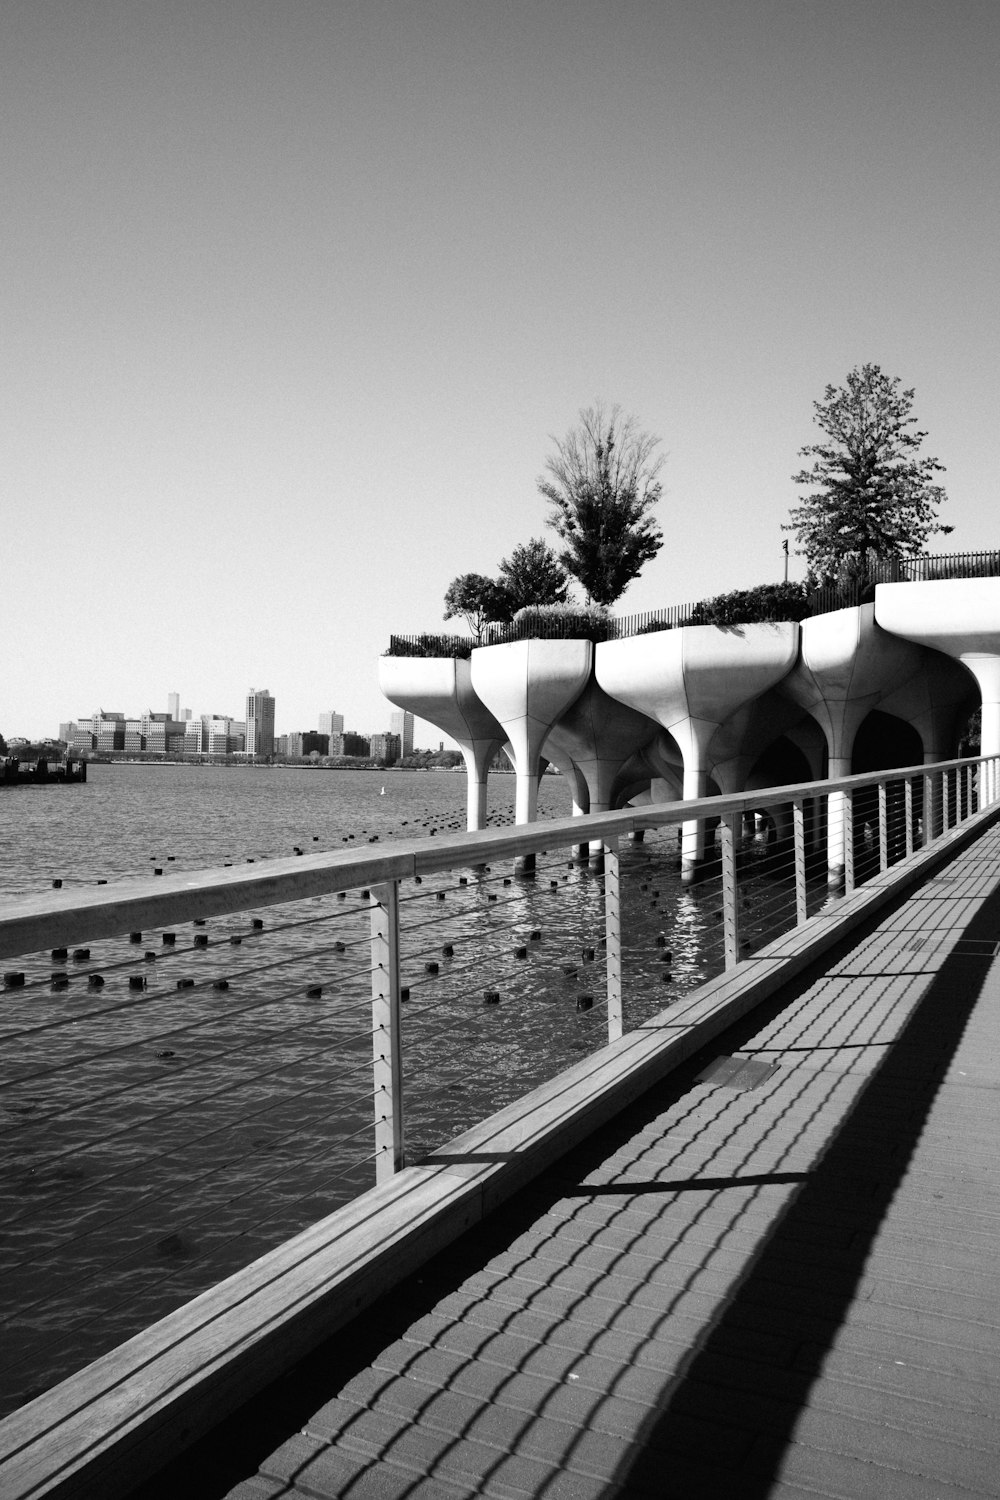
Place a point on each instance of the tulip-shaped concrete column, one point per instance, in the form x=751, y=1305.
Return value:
x=440, y=689
x=690, y=680
x=846, y=667
x=598, y=735
x=527, y=686
x=961, y=617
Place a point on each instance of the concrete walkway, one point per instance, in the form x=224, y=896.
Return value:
x=775, y=1277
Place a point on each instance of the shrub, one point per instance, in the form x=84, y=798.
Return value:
x=768, y=601
x=586, y=622
x=430, y=645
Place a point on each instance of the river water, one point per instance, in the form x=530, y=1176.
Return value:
x=159, y=1138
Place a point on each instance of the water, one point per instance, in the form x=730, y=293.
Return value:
x=130, y=818
x=159, y=1139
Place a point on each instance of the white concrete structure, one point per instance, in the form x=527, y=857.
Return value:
x=690, y=681
x=528, y=686
x=439, y=689
x=706, y=708
x=961, y=618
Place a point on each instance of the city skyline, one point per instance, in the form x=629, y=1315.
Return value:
x=328, y=722
x=296, y=299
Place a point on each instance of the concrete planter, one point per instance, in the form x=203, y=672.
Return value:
x=440, y=690
x=690, y=681
x=527, y=686
x=960, y=617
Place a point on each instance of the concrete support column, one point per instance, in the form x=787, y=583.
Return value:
x=986, y=670
x=527, y=686
x=989, y=790
x=836, y=809
x=440, y=690
x=693, y=740
x=477, y=759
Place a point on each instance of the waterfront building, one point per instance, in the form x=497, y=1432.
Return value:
x=401, y=724
x=306, y=742
x=220, y=736
x=331, y=723
x=161, y=734
x=384, y=747
x=260, y=723
x=349, y=743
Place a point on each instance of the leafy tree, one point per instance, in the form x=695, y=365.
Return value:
x=602, y=484
x=532, y=574
x=477, y=599
x=873, y=497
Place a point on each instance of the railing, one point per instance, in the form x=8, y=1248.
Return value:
x=926, y=569
x=198, y=1066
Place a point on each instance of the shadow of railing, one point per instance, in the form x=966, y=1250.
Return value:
x=806, y=1275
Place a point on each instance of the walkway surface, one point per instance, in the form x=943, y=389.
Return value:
x=777, y=1276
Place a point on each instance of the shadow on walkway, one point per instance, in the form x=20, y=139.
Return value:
x=826, y=1234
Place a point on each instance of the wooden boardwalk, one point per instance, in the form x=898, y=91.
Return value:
x=777, y=1276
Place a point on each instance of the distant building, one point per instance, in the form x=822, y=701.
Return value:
x=218, y=735
x=108, y=730
x=349, y=744
x=305, y=742
x=174, y=706
x=281, y=744
x=401, y=724
x=331, y=723
x=162, y=735
x=384, y=747
x=260, y=723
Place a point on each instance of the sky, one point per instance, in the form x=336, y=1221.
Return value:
x=296, y=297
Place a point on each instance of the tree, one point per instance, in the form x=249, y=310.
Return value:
x=532, y=574
x=873, y=496
x=477, y=599
x=602, y=484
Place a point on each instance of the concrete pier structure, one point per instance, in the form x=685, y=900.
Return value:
x=959, y=618
x=704, y=709
x=439, y=689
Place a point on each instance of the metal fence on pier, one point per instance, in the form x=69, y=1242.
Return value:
x=198, y=1066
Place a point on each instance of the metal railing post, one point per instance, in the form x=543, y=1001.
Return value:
x=908, y=813
x=613, y=935
x=799, y=833
x=387, y=1054
x=847, y=813
x=883, y=827
x=730, y=905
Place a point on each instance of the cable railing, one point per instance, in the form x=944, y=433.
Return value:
x=199, y=1066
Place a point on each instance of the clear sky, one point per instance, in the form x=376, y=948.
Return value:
x=294, y=295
